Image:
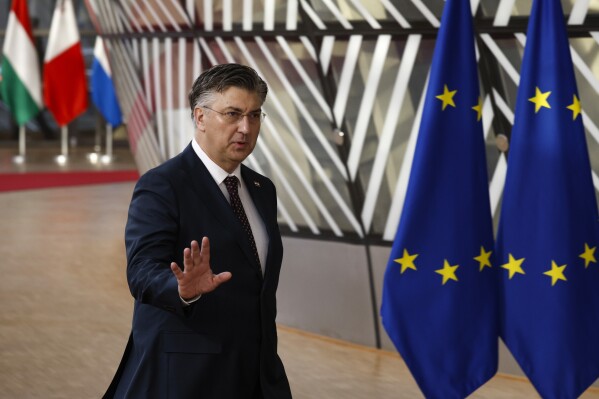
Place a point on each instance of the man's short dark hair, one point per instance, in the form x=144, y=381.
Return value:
x=220, y=77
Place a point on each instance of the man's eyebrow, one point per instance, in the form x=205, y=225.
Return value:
x=231, y=108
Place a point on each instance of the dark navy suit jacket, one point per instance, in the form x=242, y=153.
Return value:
x=225, y=344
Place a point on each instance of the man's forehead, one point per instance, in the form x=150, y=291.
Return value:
x=238, y=98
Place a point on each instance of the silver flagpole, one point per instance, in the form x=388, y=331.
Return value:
x=22, y=141
x=64, y=146
x=19, y=159
x=107, y=158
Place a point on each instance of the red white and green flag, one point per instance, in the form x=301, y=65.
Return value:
x=21, y=88
x=65, y=87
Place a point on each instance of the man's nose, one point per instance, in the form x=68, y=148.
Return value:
x=244, y=124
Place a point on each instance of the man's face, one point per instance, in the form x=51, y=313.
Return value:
x=225, y=142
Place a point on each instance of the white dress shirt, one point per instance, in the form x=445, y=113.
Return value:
x=256, y=223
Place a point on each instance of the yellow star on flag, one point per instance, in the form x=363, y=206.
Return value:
x=406, y=261
x=447, y=97
x=540, y=100
x=588, y=255
x=556, y=273
x=479, y=109
x=483, y=258
x=575, y=107
x=514, y=266
x=448, y=272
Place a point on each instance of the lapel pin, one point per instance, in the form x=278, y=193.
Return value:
x=256, y=183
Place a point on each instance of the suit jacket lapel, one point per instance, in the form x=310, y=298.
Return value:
x=205, y=187
x=209, y=192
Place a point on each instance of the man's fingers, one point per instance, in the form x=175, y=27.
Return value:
x=221, y=278
x=176, y=271
x=196, y=271
x=195, y=250
x=205, y=251
x=191, y=255
x=187, y=259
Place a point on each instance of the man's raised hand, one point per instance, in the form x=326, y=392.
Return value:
x=197, y=278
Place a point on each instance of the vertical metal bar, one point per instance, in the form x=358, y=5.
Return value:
x=109, y=140
x=22, y=141
x=64, y=141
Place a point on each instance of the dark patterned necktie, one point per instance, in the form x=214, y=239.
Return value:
x=232, y=182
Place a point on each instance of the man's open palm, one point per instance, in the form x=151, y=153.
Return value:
x=197, y=278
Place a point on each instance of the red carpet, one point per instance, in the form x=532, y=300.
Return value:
x=27, y=181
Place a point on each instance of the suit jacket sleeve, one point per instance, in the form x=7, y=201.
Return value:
x=150, y=238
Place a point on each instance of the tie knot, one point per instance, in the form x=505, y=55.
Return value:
x=231, y=182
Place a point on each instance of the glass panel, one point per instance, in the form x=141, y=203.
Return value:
x=586, y=48
x=488, y=7
x=523, y=7
x=311, y=152
x=237, y=10
x=402, y=132
x=513, y=51
x=412, y=13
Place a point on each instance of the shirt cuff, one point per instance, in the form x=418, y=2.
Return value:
x=187, y=303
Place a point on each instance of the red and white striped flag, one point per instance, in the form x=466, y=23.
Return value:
x=65, y=87
x=21, y=88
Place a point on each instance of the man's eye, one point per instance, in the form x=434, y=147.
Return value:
x=255, y=115
x=233, y=114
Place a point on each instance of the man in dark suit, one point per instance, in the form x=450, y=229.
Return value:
x=204, y=315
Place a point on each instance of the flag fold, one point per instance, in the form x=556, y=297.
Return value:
x=440, y=286
x=103, y=93
x=549, y=227
x=65, y=87
x=21, y=88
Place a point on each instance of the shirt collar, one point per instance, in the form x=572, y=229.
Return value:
x=217, y=173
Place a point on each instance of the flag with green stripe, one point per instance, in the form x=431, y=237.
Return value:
x=21, y=88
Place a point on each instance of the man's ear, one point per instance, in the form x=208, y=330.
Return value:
x=198, y=118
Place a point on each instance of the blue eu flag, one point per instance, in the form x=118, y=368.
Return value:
x=440, y=289
x=549, y=227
